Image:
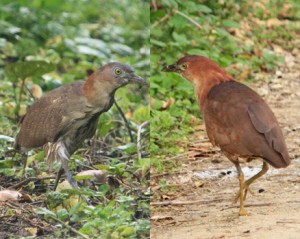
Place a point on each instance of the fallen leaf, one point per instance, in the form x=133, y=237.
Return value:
x=10, y=195
x=36, y=91
x=167, y=104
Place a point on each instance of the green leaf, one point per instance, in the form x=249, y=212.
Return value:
x=169, y=3
x=6, y=138
x=62, y=214
x=203, y=8
x=102, y=166
x=127, y=232
x=180, y=38
x=141, y=113
x=45, y=211
x=27, y=68
x=230, y=23
x=121, y=49
x=106, y=123
x=83, y=177
x=143, y=164
x=157, y=43
x=7, y=163
x=129, y=148
x=197, y=52
x=7, y=171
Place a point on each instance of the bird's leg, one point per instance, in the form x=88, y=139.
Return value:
x=264, y=169
x=61, y=153
x=65, y=166
x=24, y=157
x=60, y=172
x=241, y=195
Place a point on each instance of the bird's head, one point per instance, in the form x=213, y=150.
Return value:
x=198, y=69
x=201, y=71
x=108, y=78
x=118, y=74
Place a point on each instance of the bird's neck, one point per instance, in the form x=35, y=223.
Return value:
x=99, y=92
x=206, y=82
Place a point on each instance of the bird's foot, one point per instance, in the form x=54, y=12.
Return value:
x=246, y=190
x=243, y=212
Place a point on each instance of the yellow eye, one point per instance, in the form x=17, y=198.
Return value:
x=184, y=66
x=118, y=71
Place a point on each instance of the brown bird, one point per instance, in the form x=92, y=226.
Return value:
x=63, y=118
x=236, y=118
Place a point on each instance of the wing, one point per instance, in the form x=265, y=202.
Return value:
x=265, y=123
x=241, y=123
x=45, y=119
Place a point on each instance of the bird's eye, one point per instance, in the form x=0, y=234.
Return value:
x=184, y=66
x=118, y=71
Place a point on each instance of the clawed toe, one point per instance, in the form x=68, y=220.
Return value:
x=246, y=190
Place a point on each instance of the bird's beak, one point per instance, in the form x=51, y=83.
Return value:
x=171, y=68
x=133, y=78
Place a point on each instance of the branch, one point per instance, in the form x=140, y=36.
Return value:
x=167, y=203
x=187, y=17
x=27, y=180
x=154, y=5
x=163, y=19
x=70, y=228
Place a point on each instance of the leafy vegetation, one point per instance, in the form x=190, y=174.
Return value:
x=239, y=35
x=47, y=43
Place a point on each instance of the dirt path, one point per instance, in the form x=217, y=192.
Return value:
x=209, y=177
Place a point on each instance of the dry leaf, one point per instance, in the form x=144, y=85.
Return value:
x=245, y=73
x=199, y=183
x=167, y=104
x=36, y=91
x=10, y=195
x=273, y=22
x=31, y=230
x=285, y=11
x=97, y=176
x=128, y=114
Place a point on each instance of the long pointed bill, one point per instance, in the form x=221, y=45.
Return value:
x=133, y=78
x=171, y=68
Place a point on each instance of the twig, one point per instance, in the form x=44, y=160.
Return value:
x=293, y=222
x=70, y=228
x=27, y=180
x=166, y=173
x=163, y=19
x=125, y=120
x=154, y=5
x=168, y=203
x=250, y=205
x=139, y=134
x=155, y=188
x=187, y=17
x=176, y=156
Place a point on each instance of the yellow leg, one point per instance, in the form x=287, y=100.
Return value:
x=264, y=169
x=241, y=195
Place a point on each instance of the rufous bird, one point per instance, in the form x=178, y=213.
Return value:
x=236, y=118
x=63, y=118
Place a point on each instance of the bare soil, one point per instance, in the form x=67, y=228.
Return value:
x=201, y=199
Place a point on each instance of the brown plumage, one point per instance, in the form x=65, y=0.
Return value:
x=63, y=118
x=237, y=119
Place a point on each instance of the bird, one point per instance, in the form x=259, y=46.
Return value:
x=63, y=118
x=236, y=118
